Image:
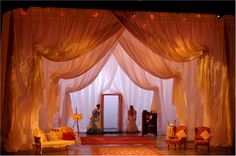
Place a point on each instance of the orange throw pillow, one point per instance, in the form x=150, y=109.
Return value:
x=68, y=136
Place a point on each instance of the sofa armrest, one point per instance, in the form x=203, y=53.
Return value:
x=37, y=141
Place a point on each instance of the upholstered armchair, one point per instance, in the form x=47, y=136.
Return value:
x=202, y=137
x=179, y=137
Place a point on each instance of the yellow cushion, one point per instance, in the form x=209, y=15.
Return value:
x=58, y=132
x=52, y=136
x=181, y=134
x=205, y=135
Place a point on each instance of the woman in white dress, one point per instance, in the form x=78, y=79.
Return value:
x=132, y=120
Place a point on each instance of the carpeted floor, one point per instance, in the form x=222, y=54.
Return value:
x=125, y=150
x=91, y=140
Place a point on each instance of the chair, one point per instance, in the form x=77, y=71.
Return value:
x=179, y=137
x=202, y=137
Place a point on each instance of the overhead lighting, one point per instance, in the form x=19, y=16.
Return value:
x=219, y=16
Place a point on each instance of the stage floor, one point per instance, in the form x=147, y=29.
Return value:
x=159, y=143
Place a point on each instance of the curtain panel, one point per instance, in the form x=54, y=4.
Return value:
x=158, y=67
x=139, y=77
x=76, y=84
x=229, y=30
x=67, y=70
x=48, y=31
x=102, y=81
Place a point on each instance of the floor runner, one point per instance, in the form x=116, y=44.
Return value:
x=90, y=140
x=125, y=150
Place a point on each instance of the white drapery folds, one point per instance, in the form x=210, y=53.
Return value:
x=67, y=70
x=62, y=35
x=158, y=67
x=76, y=84
x=111, y=80
x=140, y=78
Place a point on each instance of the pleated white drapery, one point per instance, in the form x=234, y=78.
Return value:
x=49, y=53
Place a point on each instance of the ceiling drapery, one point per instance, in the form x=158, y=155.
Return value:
x=172, y=37
x=62, y=35
x=59, y=43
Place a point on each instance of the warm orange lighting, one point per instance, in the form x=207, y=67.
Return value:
x=162, y=14
x=62, y=13
x=184, y=19
x=198, y=16
x=133, y=16
x=23, y=12
x=95, y=14
x=77, y=117
x=152, y=17
x=144, y=26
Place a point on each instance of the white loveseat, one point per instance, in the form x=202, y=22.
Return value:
x=55, y=137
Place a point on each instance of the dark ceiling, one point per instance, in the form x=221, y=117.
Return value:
x=200, y=6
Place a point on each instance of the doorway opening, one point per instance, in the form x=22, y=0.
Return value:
x=112, y=113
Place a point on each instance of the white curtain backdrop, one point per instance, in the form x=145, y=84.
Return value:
x=141, y=99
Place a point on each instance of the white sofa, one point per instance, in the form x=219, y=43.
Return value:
x=55, y=137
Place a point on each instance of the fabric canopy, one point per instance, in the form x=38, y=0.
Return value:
x=44, y=47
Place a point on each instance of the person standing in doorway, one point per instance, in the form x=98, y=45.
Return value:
x=132, y=120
